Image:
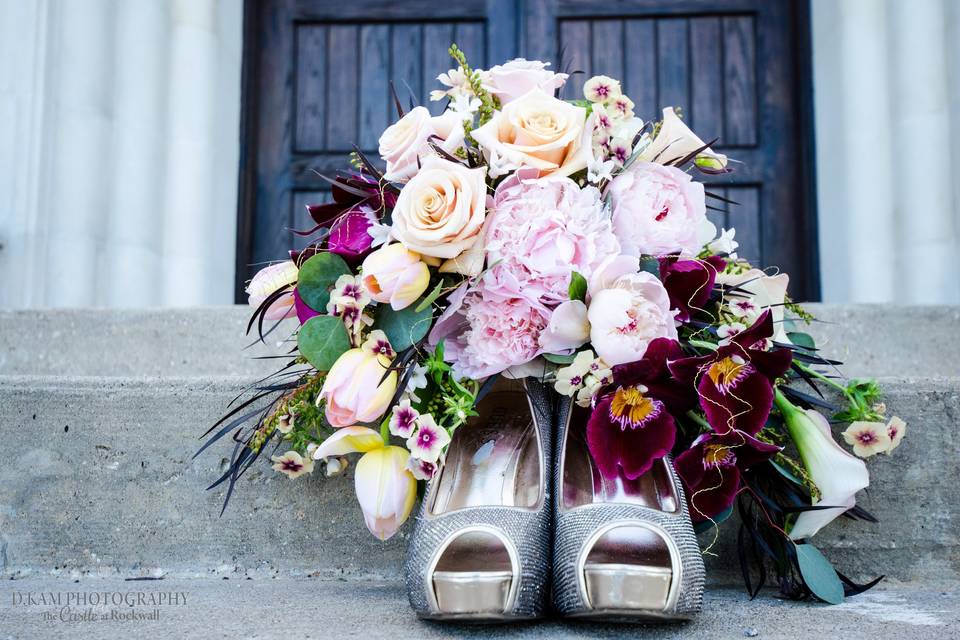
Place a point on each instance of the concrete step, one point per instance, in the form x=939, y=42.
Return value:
x=316, y=608
x=877, y=340
x=98, y=479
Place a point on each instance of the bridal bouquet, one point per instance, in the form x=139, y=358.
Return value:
x=517, y=234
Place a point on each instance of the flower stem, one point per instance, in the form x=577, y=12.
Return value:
x=696, y=417
x=819, y=376
x=385, y=431
x=703, y=344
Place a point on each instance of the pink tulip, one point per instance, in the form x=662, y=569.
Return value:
x=394, y=275
x=385, y=489
x=356, y=389
x=268, y=280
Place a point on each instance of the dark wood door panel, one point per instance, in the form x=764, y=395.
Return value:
x=317, y=78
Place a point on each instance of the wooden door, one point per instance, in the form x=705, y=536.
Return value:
x=317, y=74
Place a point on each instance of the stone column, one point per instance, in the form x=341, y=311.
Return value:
x=133, y=265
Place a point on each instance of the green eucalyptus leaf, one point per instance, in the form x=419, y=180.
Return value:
x=321, y=340
x=578, y=287
x=819, y=575
x=317, y=276
x=802, y=339
x=559, y=359
x=404, y=327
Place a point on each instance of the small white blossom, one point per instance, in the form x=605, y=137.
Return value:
x=404, y=419
x=603, y=121
x=423, y=469
x=743, y=307
x=570, y=378
x=336, y=466
x=896, y=428
x=598, y=170
x=725, y=244
x=418, y=380
x=292, y=464
x=622, y=106
x=464, y=106
x=601, y=89
x=727, y=331
x=498, y=166
x=867, y=438
x=285, y=424
x=620, y=150
x=379, y=232
x=429, y=440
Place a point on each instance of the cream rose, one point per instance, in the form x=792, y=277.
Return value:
x=537, y=130
x=440, y=212
x=407, y=141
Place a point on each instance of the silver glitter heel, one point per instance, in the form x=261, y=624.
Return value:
x=481, y=542
x=623, y=549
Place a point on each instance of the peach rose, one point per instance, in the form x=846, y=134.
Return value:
x=407, y=141
x=440, y=212
x=515, y=78
x=539, y=131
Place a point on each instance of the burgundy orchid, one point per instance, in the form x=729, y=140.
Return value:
x=631, y=425
x=735, y=383
x=689, y=283
x=710, y=470
x=358, y=201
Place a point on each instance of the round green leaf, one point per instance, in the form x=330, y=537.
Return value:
x=819, y=575
x=321, y=340
x=801, y=339
x=317, y=276
x=404, y=327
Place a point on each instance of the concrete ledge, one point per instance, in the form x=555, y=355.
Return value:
x=314, y=608
x=872, y=340
x=98, y=479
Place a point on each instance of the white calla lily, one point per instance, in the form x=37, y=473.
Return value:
x=675, y=140
x=837, y=474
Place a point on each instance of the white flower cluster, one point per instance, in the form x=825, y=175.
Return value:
x=583, y=377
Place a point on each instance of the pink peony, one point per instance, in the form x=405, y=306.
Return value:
x=513, y=79
x=626, y=317
x=488, y=329
x=659, y=210
x=541, y=230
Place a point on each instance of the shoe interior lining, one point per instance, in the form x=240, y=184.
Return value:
x=493, y=459
x=583, y=484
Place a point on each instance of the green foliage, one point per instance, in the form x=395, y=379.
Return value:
x=578, y=287
x=559, y=359
x=317, y=276
x=321, y=340
x=863, y=397
x=405, y=327
x=651, y=265
x=801, y=339
x=488, y=102
x=819, y=575
x=430, y=297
